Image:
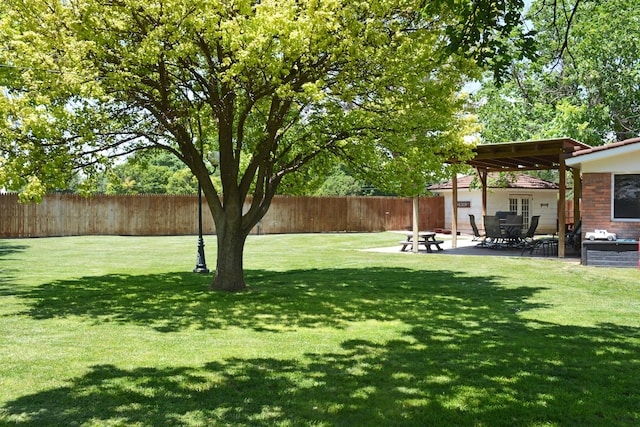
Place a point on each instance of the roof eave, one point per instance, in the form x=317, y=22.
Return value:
x=602, y=152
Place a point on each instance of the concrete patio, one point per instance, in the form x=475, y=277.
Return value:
x=468, y=247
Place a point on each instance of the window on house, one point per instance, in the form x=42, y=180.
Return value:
x=513, y=205
x=626, y=197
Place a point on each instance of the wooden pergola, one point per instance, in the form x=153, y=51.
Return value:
x=524, y=156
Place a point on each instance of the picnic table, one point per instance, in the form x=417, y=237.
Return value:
x=425, y=238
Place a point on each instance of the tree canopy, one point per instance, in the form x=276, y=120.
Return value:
x=276, y=87
x=585, y=83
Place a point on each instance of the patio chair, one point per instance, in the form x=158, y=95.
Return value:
x=503, y=214
x=528, y=243
x=533, y=226
x=513, y=219
x=494, y=237
x=574, y=238
x=476, y=233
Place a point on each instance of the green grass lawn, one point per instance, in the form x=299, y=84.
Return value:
x=117, y=331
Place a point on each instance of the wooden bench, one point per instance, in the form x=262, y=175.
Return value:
x=426, y=243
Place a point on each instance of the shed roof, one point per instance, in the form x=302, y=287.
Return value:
x=521, y=181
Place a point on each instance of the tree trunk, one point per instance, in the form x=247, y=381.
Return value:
x=229, y=274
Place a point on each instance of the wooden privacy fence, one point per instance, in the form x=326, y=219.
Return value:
x=158, y=215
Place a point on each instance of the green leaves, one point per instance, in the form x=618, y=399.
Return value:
x=272, y=85
x=491, y=32
x=586, y=83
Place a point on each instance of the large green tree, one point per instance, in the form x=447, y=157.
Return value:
x=274, y=86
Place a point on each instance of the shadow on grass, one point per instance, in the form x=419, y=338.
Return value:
x=7, y=248
x=467, y=357
x=281, y=301
x=564, y=376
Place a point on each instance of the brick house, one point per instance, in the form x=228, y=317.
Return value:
x=610, y=198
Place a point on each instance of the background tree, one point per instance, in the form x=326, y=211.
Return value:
x=585, y=83
x=149, y=173
x=340, y=183
x=274, y=86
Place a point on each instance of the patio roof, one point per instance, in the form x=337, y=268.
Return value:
x=525, y=155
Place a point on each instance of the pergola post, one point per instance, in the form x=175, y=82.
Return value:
x=454, y=210
x=577, y=194
x=416, y=223
x=562, y=203
x=483, y=182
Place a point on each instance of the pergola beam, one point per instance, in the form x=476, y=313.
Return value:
x=515, y=168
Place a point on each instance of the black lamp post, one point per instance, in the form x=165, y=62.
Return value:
x=201, y=263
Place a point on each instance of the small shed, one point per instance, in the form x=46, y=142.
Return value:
x=610, y=201
x=524, y=194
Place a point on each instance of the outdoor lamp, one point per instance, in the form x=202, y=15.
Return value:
x=201, y=263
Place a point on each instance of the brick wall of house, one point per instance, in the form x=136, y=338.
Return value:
x=596, y=207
